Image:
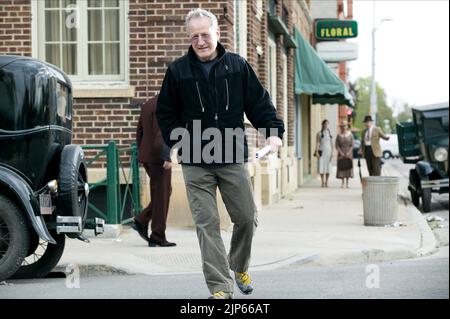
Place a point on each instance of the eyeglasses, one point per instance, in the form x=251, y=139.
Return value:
x=196, y=38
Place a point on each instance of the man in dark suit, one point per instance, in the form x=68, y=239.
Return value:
x=155, y=157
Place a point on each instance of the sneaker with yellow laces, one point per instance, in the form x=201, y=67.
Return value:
x=244, y=282
x=221, y=295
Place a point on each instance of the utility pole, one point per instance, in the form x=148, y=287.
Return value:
x=373, y=94
x=373, y=108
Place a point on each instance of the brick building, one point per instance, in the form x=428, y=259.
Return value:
x=341, y=10
x=116, y=53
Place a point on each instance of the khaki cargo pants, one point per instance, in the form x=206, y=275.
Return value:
x=234, y=183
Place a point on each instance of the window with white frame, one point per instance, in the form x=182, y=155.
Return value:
x=259, y=9
x=85, y=38
x=273, y=70
x=240, y=27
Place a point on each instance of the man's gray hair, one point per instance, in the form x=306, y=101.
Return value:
x=197, y=13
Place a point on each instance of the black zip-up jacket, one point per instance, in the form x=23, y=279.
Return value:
x=218, y=101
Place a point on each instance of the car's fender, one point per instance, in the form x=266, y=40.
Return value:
x=424, y=168
x=23, y=195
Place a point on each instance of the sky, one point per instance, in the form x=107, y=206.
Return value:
x=412, y=51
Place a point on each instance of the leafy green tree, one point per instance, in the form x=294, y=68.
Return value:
x=362, y=106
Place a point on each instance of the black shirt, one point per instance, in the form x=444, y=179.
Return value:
x=207, y=66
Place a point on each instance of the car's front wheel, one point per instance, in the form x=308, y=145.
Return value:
x=387, y=155
x=42, y=257
x=426, y=198
x=415, y=198
x=14, y=238
x=414, y=185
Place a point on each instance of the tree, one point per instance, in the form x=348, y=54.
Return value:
x=405, y=115
x=363, y=103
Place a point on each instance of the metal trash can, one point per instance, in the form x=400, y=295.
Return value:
x=380, y=200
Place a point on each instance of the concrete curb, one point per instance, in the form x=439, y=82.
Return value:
x=427, y=246
x=297, y=259
x=364, y=257
x=428, y=241
x=87, y=270
x=91, y=270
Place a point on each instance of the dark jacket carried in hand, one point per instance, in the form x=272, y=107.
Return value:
x=152, y=149
x=218, y=101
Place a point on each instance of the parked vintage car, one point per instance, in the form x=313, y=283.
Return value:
x=43, y=177
x=424, y=142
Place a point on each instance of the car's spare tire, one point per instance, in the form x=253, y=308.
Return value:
x=14, y=238
x=72, y=194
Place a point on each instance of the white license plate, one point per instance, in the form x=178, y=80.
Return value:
x=45, y=202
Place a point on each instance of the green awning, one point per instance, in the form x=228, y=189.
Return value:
x=314, y=77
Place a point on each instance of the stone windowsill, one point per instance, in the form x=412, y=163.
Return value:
x=103, y=91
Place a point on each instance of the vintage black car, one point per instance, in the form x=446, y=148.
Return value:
x=424, y=142
x=43, y=177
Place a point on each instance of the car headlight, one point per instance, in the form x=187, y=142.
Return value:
x=53, y=186
x=441, y=154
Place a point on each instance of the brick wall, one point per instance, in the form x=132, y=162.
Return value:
x=15, y=27
x=290, y=80
x=290, y=133
x=256, y=36
x=97, y=121
x=301, y=22
x=157, y=37
x=166, y=34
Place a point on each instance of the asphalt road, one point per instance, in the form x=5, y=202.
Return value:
x=422, y=278
x=419, y=278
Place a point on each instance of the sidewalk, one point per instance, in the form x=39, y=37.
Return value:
x=322, y=226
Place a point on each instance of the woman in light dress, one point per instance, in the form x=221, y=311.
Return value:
x=324, y=152
x=344, y=148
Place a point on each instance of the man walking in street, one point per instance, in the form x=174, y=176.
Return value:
x=370, y=146
x=206, y=93
x=155, y=156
